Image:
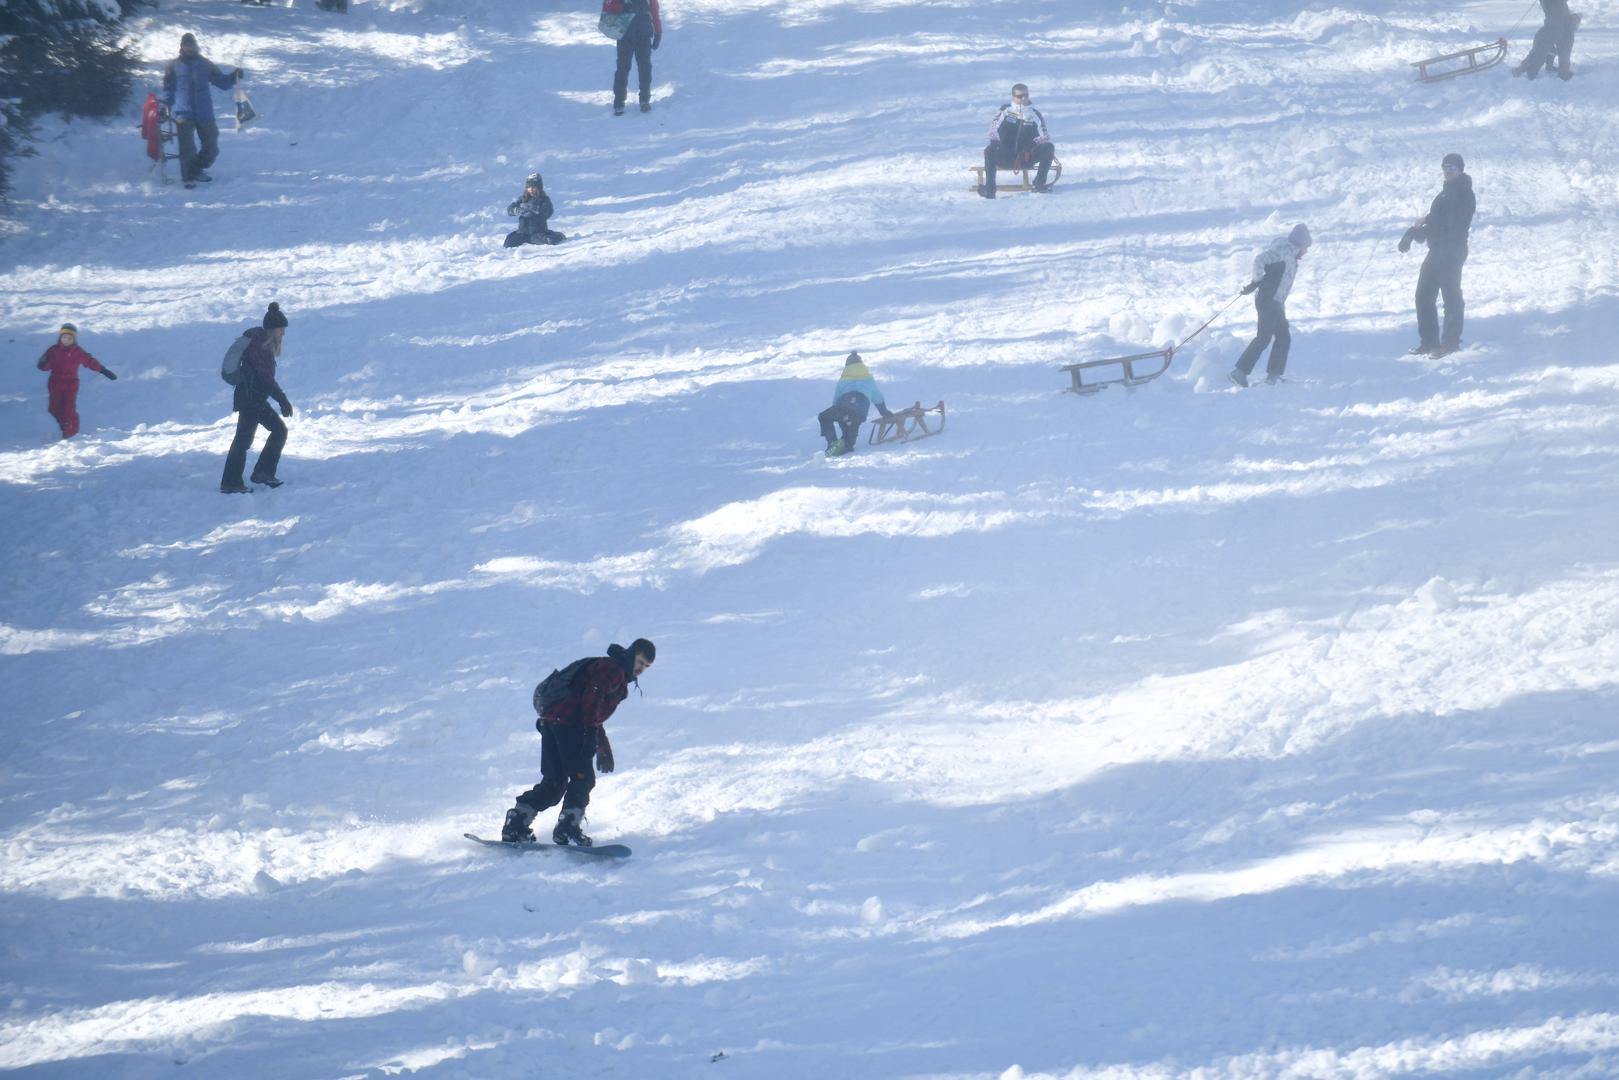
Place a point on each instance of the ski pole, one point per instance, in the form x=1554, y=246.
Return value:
x=1174, y=348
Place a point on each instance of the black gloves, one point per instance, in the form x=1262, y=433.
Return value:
x=1250, y=287
x=109, y=374
x=657, y=39
x=286, y=408
x=1406, y=240
x=241, y=73
x=604, y=758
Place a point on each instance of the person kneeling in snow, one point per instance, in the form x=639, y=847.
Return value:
x=533, y=210
x=571, y=735
x=852, y=400
x=1274, y=270
x=63, y=361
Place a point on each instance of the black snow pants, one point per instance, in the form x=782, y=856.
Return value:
x=1554, y=43
x=1441, y=274
x=638, y=44
x=193, y=160
x=848, y=413
x=254, y=414
x=567, y=768
x=1273, y=331
x=532, y=230
x=1040, y=154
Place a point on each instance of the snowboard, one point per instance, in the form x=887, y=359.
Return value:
x=605, y=851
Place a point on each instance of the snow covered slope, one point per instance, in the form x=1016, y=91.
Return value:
x=1181, y=732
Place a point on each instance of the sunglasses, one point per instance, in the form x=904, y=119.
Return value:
x=1020, y=97
x=1451, y=168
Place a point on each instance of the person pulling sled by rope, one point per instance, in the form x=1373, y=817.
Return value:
x=852, y=400
x=533, y=211
x=573, y=703
x=1553, y=46
x=1274, y=270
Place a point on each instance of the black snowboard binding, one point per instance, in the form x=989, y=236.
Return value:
x=516, y=829
x=568, y=831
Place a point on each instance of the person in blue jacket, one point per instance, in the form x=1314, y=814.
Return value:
x=188, y=99
x=852, y=400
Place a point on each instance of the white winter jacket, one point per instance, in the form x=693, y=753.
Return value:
x=1280, y=250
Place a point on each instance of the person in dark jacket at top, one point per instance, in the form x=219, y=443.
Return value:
x=1444, y=229
x=1018, y=138
x=187, y=97
x=63, y=361
x=1274, y=270
x=643, y=36
x=1554, y=42
x=532, y=209
x=852, y=400
x=252, y=406
x=571, y=739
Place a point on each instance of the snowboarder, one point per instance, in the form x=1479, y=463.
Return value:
x=1017, y=138
x=572, y=737
x=1444, y=229
x=63, y=361
x=532, y=209
x=852, y=400
x=188, y=99
x=1554, y=42
x=1274, y=270
x=644, y=35
x=252, y=405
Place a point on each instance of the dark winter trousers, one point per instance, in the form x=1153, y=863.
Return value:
x=638, y=45
x=192, y=160
x=1441, y=274
x=532, y=230
x=248, y=421
x=567, y=768
x=64, y=397
x=848, y=413
x=1554, y=41
x=1272, y=329
x=1040, y=154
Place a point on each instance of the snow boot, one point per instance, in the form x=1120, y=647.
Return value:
x=646, y=106
x=1272, y=380
x=986, y=191
x=1442, y=350
x=1237, y=376
x=618, y=109
x=568, y=831
x=1420, y=350
x=267, y=481
x=516, y=829
x=235, y=489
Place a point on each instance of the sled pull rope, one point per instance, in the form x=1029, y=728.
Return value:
x=1524, y=16
x=1175, y=348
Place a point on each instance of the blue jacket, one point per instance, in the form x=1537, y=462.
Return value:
x=185, y=87
x=857, y=378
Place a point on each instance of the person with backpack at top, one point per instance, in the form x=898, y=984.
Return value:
x=645, y=33
x=573, y=703
x=1017, y=138
x=63, y=361
x=532, y=209
x=1444, y=229
x=1274, y=270
x=255, y=387
x=852, y=400
x=188, y=99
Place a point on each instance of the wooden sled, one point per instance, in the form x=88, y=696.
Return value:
x=1128, y=374
x=1467, y=61
x=1027, y=172
x=905, y=425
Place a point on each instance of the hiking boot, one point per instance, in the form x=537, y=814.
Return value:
x=234, y=489
x=1272, y=380
x=618, y=108
x=1420, y=350
x=568, y=831
x=1239, y=377
x=986, y=191
x=202, y=177
x=646, y=106
x=267, y=481
x=516, y=829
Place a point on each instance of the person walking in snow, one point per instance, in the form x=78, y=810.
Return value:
x=252, y=406
x=852, y=400
x=1554, y=42
x=1017, y=139
x=532, y=209
x=187, y=97
x=1444, y=229
x=1274, y=270
x=63, y=361
x=644, y=35
x=572, y=740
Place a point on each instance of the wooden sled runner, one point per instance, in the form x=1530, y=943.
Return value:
x=1128, y=374
x=1465, y=62
x=1027, y=172
x=906, y=425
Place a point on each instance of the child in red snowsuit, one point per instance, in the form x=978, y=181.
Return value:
x=63, y=361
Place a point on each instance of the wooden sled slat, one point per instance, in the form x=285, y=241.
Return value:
x=906, y=425
x=1027, y=173
x=1478, y=58
x=1129, y=375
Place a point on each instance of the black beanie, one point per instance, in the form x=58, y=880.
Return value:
x=273, y=318
x=1456, y=160
x=187, y=39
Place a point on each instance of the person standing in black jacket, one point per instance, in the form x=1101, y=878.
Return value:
x=252, y=405
x=645, y=34
x=1444, y=229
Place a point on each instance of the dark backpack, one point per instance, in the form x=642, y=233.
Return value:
x=558, y=685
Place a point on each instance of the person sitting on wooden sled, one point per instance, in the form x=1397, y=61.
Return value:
x=532, y=209
x=852, y=400
x=1554, y=42
x=1017, y=138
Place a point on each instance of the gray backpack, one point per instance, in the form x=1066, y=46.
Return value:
x=230, y=369
x=558, y=685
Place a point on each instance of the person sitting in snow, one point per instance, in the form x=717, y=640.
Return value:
x=1554, y=42
x=852, y=400
x=1274, y=270
x=1017, y=139
x=533, y=210
x=188, y=99
x=571, y=738
x=63, y=361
